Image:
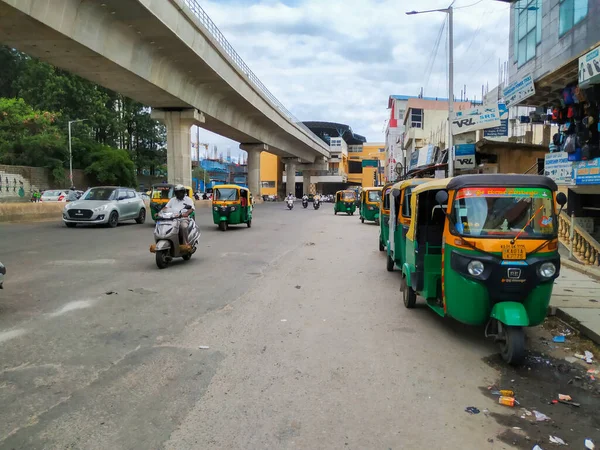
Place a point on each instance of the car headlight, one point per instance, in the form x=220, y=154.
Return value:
x=547, y=270
x=475, y=268
x=101, y=208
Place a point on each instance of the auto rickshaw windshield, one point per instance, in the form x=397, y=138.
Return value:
x=162, y=192
x=349, y=196
x=374, y=196
x=226, y=194
x=498, y=212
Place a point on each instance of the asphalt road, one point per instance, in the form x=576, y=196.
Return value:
x=309, y=343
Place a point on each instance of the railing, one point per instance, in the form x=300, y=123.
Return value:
x=580, y=243
x=533, y=169
x=197, y=10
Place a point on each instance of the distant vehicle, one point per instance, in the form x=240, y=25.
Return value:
x=54, y=196
x=106, y=205
x=2, y=274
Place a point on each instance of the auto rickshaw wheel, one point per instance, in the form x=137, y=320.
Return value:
x=408, y=294
x=390, y=264
x=335, y=212
x=249, y=223
x=161, y=259
x=362, y=220
x=512, y=344
x=381, y=247
x=222, y=226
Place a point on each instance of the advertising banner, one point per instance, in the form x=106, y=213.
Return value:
x=475, y=119
x=464, y=156
x=518, y=91
x=589, y=68
x=587, y=172
x=499, y=133
x=558, y=167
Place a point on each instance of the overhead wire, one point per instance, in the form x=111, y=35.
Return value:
x=433, y=57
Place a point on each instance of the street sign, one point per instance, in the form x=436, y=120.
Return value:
x=464, y=156
x=519, y=90
x=499, y=133
x=587, y=172
x=475, y=119
x=589, y=68
x=558, y=167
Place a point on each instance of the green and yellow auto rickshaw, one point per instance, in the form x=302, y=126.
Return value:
x=384, y=216
x=400, y=221
x=161, y=194
x=345, y=202
x=232, y=205
x=484, y=249
x=369, y=204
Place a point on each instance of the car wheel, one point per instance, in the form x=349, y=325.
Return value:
x=113, y=219
x=141, y=217
x=70, y=225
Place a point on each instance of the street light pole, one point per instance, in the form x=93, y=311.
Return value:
x=71, y=151
x=450, y=12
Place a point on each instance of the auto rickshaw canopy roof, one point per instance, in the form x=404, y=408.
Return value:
x=433, y=185
x=231, y=186
x=346, y=191
x=373, y=188
x=411, y=182
x=505, y=180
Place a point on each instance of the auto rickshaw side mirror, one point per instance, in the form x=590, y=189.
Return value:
x=561, y=199
x=441, y=197
x=396, y=194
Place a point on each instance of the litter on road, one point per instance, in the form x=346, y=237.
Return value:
x=540, y=417
x=558, y=339
x=204, y=347
x=507, y=401
x=472, y=410
x=589, y=444
x=557, y=440
x=565, y=397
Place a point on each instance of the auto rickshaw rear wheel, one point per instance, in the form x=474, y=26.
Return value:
x=381, y=247
x=512, y=343
x=390, y=264
x=249, y=223
x=408, y=294
x=362, y=220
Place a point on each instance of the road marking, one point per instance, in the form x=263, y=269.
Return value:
x=72, y=306
x=8, y=335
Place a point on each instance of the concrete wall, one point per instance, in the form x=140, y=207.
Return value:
x=18, y=182
x=269, y=172
x=512, y=160
x=554, y=50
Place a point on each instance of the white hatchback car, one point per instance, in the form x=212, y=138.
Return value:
x=53, y=196
x=105, y=205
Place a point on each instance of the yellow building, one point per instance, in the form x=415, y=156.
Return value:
x=365, y=161
x=270, y=173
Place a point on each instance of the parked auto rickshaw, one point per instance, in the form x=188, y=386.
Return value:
x=369, y=204
x=161, y=194
x=400, y=221
x=345, y=202
x=384, y=216
x=232, y=205
x=484, y=249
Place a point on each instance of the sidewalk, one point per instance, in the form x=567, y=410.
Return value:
x=576, y=297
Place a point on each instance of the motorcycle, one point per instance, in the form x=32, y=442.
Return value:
x=166, y=236
x=316, y=204
x=305, y=203
x=290, y=203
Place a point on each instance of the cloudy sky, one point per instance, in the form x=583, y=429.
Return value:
x=339, y=60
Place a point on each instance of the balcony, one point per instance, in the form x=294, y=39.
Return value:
x=413, y=134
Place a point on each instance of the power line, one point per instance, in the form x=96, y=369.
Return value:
x=431, y=64
x=468, y=6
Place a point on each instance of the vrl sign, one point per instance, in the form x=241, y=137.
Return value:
x=464, y=122
x=472, y=119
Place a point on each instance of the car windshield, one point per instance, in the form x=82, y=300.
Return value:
x=99, y=194
x=489, y=212
x=374, y=196
x=226, y=194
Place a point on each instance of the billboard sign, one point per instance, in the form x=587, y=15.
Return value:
x=558, y=167
x=518, y=91
x=499, y=133
x=589, y=68
x=587, y=172
x=464, y=156
x=475, y=119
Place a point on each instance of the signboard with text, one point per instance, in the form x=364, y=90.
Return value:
x=518, y=91
x=589, y=68
x=558, y=167
x=587, y=172
x=475, y=119
x=501, y=132
x=464, y=156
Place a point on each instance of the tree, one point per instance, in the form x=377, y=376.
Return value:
x=112, y=166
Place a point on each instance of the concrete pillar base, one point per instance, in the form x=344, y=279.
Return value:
x=179, y=156
x=290, y=177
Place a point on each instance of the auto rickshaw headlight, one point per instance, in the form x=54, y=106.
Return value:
x=475, y=268
x=547, y=270
x=216, y=208
x=233, y=208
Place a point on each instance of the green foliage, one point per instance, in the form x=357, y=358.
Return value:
x=112, y=166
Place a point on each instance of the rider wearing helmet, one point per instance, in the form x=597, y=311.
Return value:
x=179, y=203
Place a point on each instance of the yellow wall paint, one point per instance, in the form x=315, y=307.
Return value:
x=269, y=164
x=369, y=151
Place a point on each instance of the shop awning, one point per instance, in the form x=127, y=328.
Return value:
x=548, y=88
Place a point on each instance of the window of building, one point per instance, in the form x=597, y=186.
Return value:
x=355, y=166
x=355, y=149
x=528, y=29
x=267, y=184
x=571, y=12
x=416, y=118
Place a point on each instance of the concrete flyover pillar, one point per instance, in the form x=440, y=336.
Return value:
x=306, y=182
x=179, y=159
x=254, y=151
x=290, y=176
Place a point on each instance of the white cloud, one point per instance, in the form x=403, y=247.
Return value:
x=339, y=60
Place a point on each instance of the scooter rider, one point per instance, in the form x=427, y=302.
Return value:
x=179, y=203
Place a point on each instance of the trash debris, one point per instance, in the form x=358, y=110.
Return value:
x=503, y=392
x=507, y=401
x=486, y=411
x=537, y=447
x=525, y=413
x=298, y=286
x=565, y=397
x=570, y=403
x=579, y=356
x=517, y=428
x=111, y=293
x=204, y=347
x=558, y=339
x=540, y=417
x=557, y=440
x=589, y=444
x=472, y=410
x=588, y=357
x=284, y=320
x=593, y=371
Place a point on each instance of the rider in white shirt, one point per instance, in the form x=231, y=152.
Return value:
x=179, y=203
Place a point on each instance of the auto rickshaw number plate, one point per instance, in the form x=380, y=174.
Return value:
x=514, y=252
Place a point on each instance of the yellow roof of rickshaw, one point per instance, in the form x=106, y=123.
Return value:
x=411, y=182
x=435, y=183
x=373, y=188
x=230, y=186
x=346, y=190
